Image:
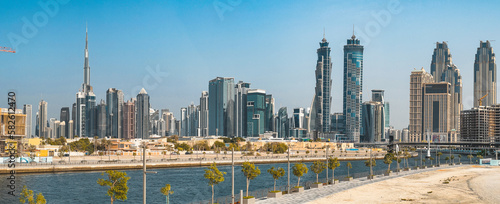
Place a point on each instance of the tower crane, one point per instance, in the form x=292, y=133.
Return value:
x=481, y=99
x=7, y=49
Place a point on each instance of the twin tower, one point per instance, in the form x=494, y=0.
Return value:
x=319, y=116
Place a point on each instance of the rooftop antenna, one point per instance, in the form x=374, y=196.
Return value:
x=323, y=32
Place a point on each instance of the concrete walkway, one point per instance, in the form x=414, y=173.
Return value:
x=313, y=194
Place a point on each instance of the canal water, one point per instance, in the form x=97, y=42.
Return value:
x=188, y=184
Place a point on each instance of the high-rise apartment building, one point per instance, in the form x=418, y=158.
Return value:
x=241, y=90
x=283, y=127
x=129, y=120
x=193, y=113
x=373, y=121
x=353, y=88
x=184, y=122
x=42, y=118
x=417, y=79
x=256, y=112
x=269, y=116
x=27, y=110
x=319, y=119
x=101, y=120
x=221, y=107
x=204, y=113
x=485, y=75
x=114, y=116
x=298, y=118
x=90, y=116
x=65, y=117
x=142, y=120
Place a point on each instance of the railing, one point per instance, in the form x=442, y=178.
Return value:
x=168, y=159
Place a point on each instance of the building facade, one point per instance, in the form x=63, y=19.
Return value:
x=204, y=113
x=221, y=107
x=114, y=120
x=129, y=121
x=436, y=108
x=27, y=110
x=256, y=111
x=485, y=75
x=142, y=119
x=319, y=119
x=353, y=88
x=241, y=91
x=417, y=80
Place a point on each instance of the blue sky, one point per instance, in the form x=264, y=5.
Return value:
x=271, y=44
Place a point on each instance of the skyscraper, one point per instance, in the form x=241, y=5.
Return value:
x=256, y=112
x=485, y=75
x=193, y=113
x=85, y=98
x=269, y=116
x=65, y=117
x=417, y=80
x=443, y=70
x=319, y=119
x=27, y=110
x=436, y=109
x=129, y=120
x=42, y=118
x=378, y=96
x=142, y=106
x=184, y=122
x=114, y=102
x=240, y=117
x=101, y=120
x=283, y=127
x=452, y=75
x=221, y=107
x=90, y=116
x=80, y=128
x=353, y=88
x=441, y=59
x=204, y=113
x=298, y=118
x=373, y=121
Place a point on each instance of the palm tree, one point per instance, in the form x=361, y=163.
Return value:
x=470, y=158
x=349, y=166
x=459, y=158
x=452, y=159
x=446, y=159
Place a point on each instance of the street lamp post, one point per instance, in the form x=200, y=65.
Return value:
x=288, y=185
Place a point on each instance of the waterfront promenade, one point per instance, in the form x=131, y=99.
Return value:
x=465, y=184
x=96, y=163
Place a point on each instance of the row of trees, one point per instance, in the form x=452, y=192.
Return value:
x=215, y=176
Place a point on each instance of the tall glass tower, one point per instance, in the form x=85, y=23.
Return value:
x=353, y=87
x=221, y=107
x=319, y=119
x=485, y=75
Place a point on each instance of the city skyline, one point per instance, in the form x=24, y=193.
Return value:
x=181, y=86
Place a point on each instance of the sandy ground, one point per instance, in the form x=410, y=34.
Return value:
x=476, y=184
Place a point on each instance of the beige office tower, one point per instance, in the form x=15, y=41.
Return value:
x=485, y=75
x=436, y=110
x=417, y=79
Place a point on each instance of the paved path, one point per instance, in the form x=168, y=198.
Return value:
x=313, y=194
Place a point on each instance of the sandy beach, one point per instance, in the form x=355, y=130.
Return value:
x=468, y=184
